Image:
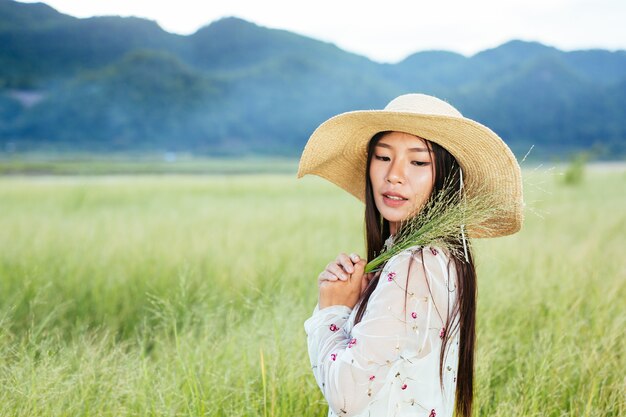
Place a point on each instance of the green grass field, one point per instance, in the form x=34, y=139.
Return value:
x=186, y=296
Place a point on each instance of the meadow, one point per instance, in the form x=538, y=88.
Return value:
x=185, y=295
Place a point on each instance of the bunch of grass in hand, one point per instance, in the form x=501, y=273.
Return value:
x=439, y=222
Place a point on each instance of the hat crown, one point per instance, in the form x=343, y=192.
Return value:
x=422, y=104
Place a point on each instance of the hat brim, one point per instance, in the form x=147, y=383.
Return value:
x=337, y=151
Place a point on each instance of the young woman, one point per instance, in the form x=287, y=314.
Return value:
x=400, y=341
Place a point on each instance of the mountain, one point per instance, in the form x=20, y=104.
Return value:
x=143, y=95
x=41, y=46
x=21, y=16
x=233, y=87
x=232, y=43
x=435, y=72
x=598, y=66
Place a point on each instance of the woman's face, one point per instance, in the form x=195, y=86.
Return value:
x=401, y=173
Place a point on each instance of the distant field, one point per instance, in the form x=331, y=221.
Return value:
x=46, y=164
x=185, y=295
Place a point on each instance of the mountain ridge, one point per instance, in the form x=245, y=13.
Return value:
x=234, y=87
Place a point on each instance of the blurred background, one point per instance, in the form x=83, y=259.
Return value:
x=158, y=256
x=99, y=85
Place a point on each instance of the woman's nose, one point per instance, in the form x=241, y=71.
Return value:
x=396, y=173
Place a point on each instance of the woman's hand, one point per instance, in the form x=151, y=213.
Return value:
x=342, y=282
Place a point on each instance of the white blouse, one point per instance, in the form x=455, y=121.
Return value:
x=388, y=363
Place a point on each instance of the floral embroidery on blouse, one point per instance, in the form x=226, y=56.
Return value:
x=395, y=363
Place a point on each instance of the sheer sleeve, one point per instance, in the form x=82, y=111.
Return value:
x=404, y=321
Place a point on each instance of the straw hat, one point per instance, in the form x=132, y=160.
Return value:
x=337, y=151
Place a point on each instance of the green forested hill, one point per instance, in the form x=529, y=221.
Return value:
x=111, y=83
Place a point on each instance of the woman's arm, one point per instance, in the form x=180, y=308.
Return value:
x=350, y=369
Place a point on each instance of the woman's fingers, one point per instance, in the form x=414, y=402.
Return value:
x=337, y=270
x=345, y=262
x=341, y=269
x=326, y=276
x=359, y=268
x=355, y=258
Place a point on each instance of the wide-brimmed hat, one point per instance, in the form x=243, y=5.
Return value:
x=337, y=151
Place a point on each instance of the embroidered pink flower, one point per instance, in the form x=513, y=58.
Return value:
x=432, y=413
x=433, y=251
x=372, y=377
x=414, y=315
x=351, y=343
x=403, y=386
x=442, y=333
x=391, y=276
x=333, y=356
x=333, y=327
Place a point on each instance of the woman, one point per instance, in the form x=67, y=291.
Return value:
x=401, y=341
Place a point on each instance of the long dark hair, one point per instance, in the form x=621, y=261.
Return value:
x=463, y=314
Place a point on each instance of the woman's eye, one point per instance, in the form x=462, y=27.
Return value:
x=382, y=158
x=420, y=163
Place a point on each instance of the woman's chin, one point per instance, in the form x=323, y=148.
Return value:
x=395, y=215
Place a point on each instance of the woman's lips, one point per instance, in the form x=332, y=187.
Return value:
x=394, y=200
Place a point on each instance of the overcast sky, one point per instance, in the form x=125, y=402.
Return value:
x=388, y=31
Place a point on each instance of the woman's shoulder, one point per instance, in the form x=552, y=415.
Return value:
x=434, y=260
